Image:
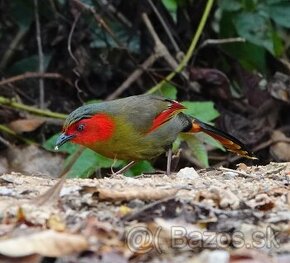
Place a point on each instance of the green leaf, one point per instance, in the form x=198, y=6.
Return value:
x=197, y=147
x=176, y=144
x=101, y=39
x=22, y=12
x=168, y=91
x=277, y=43
x=84, y=166
x=139, y=168
x=204, y=111
x=171, y=6
x=28, y=64
x=280, y=13
x=88, y=163
x=255, y=28
x=230, y=5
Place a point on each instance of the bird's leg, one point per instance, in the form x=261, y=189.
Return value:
x=125, y=168
x=169, y=158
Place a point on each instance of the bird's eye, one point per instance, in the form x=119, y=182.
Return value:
x=80, y=127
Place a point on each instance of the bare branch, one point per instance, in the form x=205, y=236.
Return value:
x=40, y=55
x=31, y=75
x=75, y=69
x=163, y=23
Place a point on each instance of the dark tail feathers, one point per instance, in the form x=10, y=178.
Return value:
x=229, y=142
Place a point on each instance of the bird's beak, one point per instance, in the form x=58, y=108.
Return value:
x=62, y=139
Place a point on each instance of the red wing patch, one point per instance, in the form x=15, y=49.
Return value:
x=166, y=115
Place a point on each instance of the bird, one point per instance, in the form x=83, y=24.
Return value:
x=139, y=127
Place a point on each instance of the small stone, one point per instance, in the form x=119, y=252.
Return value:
x=188, y=173
x=229, y=175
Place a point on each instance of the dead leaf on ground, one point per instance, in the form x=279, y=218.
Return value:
x=279, y=87
x=46, y=243
x=26, y=125
x=250, y=256
x=27, y=259
x=34, y=160
x=146, y=194
x=280, y=150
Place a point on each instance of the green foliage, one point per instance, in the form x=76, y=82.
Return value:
x=260, y=23
x=102, y=39
x=203, y=111
x=171, y=6
x=168, y=91
x=28, y=64
x=197, y=148
x=23, y=13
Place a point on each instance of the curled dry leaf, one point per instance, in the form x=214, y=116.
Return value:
x=46, y=243
x=279, y=87
x=26, y=125
x=146, y=194
x=280, y=150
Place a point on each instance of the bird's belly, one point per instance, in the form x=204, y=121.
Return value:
x=128, y=150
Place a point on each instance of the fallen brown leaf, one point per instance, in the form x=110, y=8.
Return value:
x=146, y=194
x=280, y=150
x=46, y=243
x=250, y=256
x=25, y=125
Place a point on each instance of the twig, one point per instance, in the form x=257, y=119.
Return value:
x=190, y=50
x=12, y=47
x=237, y=172
x=159, y=46
x=20, y=106
x=75, y=69
x=119, y=15
x=7, y=130
x=100, y=21
x=29, y=75
x=134, y=76
x=221, y=41
x=40, y=55
x=5, y=142
x=163, y=23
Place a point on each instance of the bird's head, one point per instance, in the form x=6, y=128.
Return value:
x=86, y=128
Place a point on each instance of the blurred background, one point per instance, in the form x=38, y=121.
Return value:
x=227, y=60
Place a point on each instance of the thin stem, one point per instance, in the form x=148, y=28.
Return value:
x=163, y=23
x=7, y=130
x=190, y=50
x=40, y=55
x=20, y=106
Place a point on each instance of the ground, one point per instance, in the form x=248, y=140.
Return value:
x=210, y=215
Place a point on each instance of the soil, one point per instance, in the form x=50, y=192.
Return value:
x=209, y=215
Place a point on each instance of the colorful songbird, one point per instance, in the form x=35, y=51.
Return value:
x=137, y=128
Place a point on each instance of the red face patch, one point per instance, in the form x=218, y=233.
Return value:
x=100, y=127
